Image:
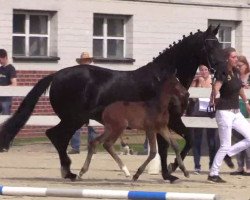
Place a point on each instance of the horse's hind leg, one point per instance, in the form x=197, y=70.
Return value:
x=60, y=136
x=152, y=153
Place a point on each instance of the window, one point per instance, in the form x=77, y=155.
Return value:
x=226, y=34
x=31, y=34
x=110, y=36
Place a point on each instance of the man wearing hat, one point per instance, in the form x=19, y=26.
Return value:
x=75, y=141
x=84, y=59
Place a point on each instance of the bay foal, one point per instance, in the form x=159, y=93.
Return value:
x=151, y=116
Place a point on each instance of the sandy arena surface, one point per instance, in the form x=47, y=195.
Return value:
x=38, y=166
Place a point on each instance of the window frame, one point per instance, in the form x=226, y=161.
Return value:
x=230, y=24
x=105, y=38
x=27, y=35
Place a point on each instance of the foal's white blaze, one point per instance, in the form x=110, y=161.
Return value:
x=125, y=170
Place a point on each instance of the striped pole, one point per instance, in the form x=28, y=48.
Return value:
x=111, y=194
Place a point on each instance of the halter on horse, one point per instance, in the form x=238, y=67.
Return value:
x=80, y=93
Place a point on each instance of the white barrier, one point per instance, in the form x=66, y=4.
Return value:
x=100, y=193
x=196, y=122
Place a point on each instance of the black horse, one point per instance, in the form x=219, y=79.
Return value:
x=80, y=93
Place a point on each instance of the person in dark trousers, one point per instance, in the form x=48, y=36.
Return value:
x=204, y=80
x=75, y=141
x=7, y=78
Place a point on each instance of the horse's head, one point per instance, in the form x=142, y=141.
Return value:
x=190, y=52
x=204, y=48
x=212, y=55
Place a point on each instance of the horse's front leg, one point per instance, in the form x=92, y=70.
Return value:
x=152, y=153
x=176, y=124
x=91, y=150
x=175, y=147
x=108, y=145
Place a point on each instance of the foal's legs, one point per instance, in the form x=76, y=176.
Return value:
x=108, y=139
x=175, y=147
x=60, y=135
x=178, y=126
x=152, y=143
x=166, y=135
x=91, y=149
x=108, y=145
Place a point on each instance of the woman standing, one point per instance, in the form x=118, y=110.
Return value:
x=203, y=80
x=228, y=115
x=244, y=156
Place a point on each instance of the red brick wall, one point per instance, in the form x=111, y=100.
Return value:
x=43, y=107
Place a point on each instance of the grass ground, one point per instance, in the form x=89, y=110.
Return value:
x=135, y=142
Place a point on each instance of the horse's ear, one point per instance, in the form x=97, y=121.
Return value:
x=209, y=29
x=215, y=31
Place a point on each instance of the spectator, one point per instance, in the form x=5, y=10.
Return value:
x=75, y=141
x=200, y=106
x=7, y=78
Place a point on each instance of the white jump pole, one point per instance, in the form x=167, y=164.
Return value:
x=96, y=193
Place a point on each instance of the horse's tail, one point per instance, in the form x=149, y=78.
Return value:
x=11, y=127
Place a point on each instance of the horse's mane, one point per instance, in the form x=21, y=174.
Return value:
x=177, y=56
x=171, y=50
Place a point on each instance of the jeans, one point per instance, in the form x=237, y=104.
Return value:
x=6, y=107
x=75, y=141
x=197, y=142
x=226, y=121
x=91, y=133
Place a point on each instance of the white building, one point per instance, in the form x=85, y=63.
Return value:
x=121, y=34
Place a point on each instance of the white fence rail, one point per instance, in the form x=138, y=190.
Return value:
x=48, y=120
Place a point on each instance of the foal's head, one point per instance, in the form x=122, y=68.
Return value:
x=173, y=89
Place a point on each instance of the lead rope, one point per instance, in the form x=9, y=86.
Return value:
x=211, y=108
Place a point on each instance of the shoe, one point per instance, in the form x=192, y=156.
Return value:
x=229, y=162
x=73, y=151
x=215, y=179
x=3, y=150
x=197, y=171
x=246, y=174
x=237, y=173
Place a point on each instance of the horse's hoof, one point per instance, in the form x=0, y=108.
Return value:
x=78, y=178
x=186, y=174
x=170, y=178
x=171, y=168
x=71, y=176
x=135, y=177
x=83, y=171
x=126, y=172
